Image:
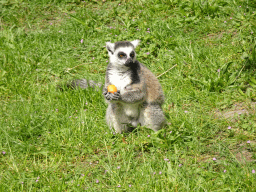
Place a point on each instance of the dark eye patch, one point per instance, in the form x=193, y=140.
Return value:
x=121, y=55
x=132, y=54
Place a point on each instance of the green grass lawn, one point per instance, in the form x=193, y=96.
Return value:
x=52, y=140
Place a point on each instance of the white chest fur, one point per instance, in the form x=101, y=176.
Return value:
x=119, y=79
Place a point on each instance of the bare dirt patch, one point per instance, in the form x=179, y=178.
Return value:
x=236, y=110
x=241, y=152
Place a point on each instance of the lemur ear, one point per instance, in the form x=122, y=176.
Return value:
x=135, y=43
x=110, y=47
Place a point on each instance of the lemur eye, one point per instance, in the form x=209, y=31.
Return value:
x=121, y=55
x=132, y=54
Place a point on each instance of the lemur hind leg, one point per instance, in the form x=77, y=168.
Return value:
x=152, y=116
x=116, y=118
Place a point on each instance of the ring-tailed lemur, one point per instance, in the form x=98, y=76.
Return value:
x=139, y=97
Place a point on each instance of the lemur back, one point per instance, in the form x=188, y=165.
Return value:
x=139, y=97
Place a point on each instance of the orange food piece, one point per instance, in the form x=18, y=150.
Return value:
x=112, y=89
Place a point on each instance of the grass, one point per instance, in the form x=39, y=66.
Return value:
x=53, y=140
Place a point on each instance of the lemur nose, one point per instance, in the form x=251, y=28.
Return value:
x=128, y=62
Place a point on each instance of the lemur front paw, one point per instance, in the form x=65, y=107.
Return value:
x=131, y=88
x=128, y=87
x=111, y=96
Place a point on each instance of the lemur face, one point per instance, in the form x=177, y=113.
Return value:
x=125, y=55
x=122, y=53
